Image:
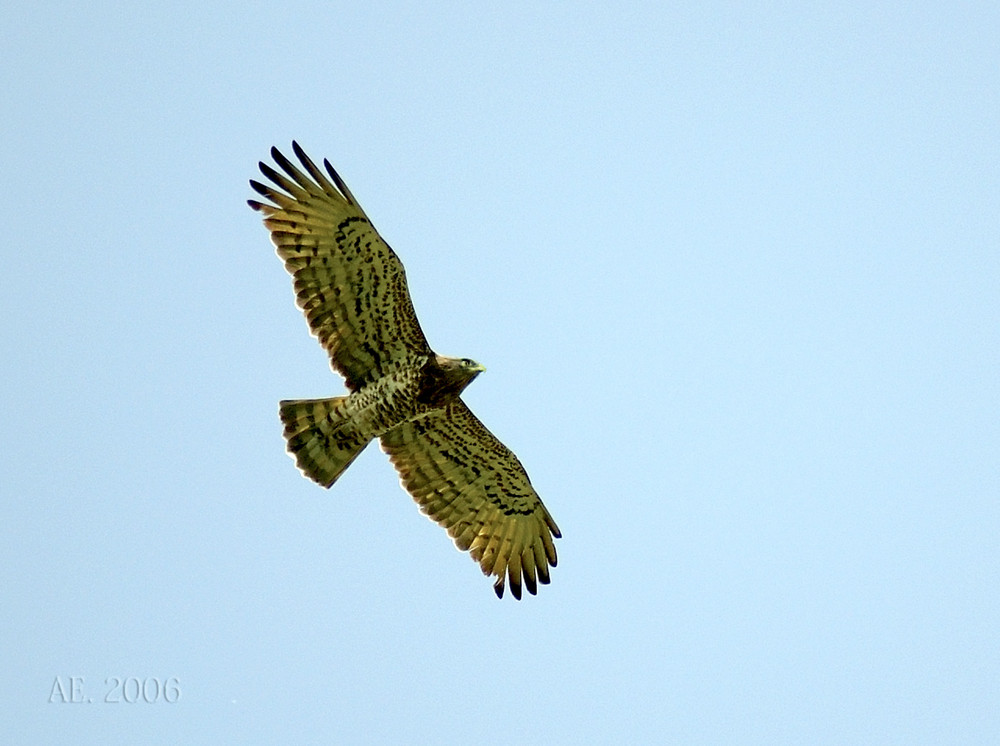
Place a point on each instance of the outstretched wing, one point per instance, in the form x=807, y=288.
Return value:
x=472, y=485
x=348, y=282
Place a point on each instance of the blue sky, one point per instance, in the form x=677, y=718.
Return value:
x=733, y=270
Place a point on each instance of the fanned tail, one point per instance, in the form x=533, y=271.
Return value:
x=321, y=436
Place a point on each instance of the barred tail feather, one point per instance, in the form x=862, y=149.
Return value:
x=321, y=437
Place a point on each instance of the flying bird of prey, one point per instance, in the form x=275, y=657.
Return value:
x=352, y=288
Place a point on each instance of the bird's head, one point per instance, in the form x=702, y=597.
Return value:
x=459, y=371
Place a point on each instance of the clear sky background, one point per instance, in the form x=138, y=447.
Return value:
x=734, y=270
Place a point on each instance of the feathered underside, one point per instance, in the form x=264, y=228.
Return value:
x=352, y=288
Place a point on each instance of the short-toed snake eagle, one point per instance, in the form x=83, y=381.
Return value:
x=352, y=288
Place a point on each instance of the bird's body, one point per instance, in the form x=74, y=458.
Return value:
x=325, y=435
x=352, y=288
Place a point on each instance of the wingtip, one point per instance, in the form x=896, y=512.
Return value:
x=530, y=585
x=261, y=189
x=332, y=171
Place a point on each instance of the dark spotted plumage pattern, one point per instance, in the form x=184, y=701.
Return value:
x=352, y=288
